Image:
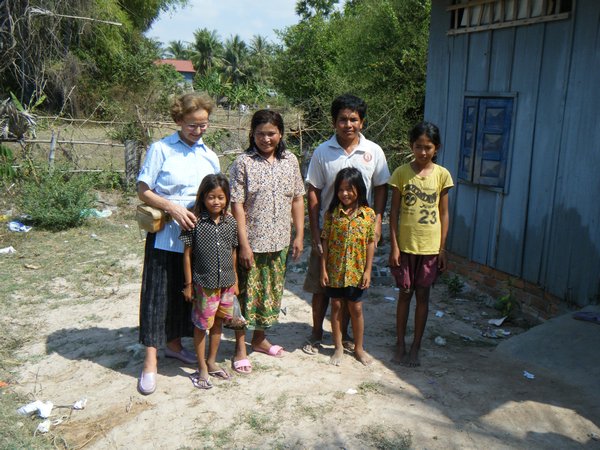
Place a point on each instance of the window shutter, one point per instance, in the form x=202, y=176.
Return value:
x=493, y=133
x=467, y=141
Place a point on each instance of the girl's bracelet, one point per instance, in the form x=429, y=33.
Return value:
x=187, y=284
x=442, y=250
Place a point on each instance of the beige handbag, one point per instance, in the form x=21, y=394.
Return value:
x=151, y=219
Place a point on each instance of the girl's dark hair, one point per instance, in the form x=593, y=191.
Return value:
x=210, y=182
x=267, y=116
x=354, y=179
x=428, y=129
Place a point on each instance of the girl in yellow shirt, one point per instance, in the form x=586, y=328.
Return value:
x=348, y=248
x=419, y=223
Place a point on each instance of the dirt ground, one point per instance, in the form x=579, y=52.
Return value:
x=463, y=396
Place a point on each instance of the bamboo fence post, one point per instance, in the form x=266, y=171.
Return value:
x=52, y=153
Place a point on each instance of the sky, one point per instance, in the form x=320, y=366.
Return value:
x=228, y=17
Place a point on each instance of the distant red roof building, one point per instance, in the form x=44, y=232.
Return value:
x=181, y=65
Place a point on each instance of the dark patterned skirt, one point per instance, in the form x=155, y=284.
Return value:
x=164, y=314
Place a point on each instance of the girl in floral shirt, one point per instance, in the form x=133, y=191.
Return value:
x=348, y=247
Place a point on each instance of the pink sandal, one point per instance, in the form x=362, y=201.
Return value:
x=243, y=366
x=275, y=351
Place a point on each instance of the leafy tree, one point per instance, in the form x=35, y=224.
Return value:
x=206, y=50
x=142, y=13
x=235, y=59
x=376, y=49
x=304, y=69
x=260, y=56
x=52, y=48
x=178, y=50
x=310, y=8
x=212, y=83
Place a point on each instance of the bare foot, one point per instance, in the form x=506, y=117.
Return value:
x=336, y=359
x=213, y=367
x=412, y=359
x=399, y=355
x=203, y=373
x=362, y=357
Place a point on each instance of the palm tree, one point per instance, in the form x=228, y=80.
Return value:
x=235, y=59
x=206, y=50
x=261, y=53
x=178, y=50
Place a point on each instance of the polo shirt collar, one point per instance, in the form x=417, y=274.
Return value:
x=333, y=142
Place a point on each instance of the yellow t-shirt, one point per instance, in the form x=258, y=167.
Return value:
x=419, y=227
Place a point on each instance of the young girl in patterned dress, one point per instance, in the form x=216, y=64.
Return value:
x=348, y=248
x=209, y=262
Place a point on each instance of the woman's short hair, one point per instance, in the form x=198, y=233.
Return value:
x=190, y=103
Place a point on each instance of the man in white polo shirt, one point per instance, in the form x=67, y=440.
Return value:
x=346, y=148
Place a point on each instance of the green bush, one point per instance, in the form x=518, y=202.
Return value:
x=57, y=200
x=454, y=284
x=6, y=161
x=107, y=180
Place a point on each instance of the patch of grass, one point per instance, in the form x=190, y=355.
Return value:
x=312, y=412
x=377, y=436
x=370, y=386
x=68, y=267
x=49, y=271
x=16, y=432
x=93, y=318
x=259, y=423
x=281, y=402
x=215, y=438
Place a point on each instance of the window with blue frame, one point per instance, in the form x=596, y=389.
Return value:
x=485, y=140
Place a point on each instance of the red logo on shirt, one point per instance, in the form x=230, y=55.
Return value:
x=367, y=157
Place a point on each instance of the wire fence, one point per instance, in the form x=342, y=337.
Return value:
x=86, y=145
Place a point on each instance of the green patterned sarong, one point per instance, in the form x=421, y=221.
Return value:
x=261, y=289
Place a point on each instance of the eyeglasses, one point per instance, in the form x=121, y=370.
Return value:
x=193, y=126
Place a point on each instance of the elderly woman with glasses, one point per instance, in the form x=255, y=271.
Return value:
x=172, y=171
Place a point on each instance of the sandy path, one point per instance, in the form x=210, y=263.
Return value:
x=464, y=395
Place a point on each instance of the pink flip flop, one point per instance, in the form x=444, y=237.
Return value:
x=239, y=366
x=275, y=351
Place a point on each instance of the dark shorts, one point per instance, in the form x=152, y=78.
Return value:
x=312, y=282
x=415, y=271
x=347, y=293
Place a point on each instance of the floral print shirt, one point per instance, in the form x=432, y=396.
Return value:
x=347, y=237
x=266, y=190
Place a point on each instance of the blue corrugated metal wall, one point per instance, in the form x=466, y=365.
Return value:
x=545, y=227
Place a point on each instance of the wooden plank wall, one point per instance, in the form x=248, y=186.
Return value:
x=545, y=227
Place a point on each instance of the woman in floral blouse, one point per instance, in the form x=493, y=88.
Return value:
x=266, y=191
